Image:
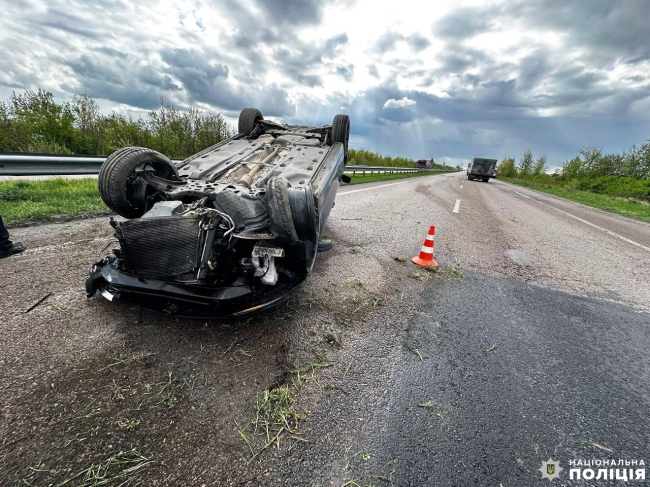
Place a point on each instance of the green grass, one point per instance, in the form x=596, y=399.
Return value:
x=24, y=202
x=372, y=178
x=639, y=210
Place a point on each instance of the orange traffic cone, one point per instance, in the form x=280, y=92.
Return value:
x=425, y=259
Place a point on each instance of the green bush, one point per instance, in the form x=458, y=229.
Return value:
x=625, y=187
x=34, y=122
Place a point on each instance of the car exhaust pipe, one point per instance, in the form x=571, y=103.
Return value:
x=247, y=179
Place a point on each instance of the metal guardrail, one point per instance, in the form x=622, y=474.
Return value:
x=353, y=169
x=50, y=165
x=14, y=164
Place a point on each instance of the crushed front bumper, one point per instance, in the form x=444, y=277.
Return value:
x=190, y=300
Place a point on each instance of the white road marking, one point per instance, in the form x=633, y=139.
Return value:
x=608, y=232
x=383, y=185
x=456, y=206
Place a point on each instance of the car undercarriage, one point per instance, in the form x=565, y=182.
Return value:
x=232, y=229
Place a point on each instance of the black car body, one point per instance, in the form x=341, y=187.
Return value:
x=228, y=231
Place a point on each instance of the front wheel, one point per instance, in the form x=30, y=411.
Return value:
x=248, y=120
x=121, y=187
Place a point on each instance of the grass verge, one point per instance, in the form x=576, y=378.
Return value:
x=639, y=210
x=25, y=202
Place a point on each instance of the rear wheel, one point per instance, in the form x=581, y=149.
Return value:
x=485, y=180
x=341, y=132
x=120, y=186
x=248, y=119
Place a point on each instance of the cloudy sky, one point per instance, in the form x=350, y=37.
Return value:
x=450, y=80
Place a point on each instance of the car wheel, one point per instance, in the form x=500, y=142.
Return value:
x=341, y=132
x=485, y=180
x=121, y=189
x=248, y=119
x=277, y=198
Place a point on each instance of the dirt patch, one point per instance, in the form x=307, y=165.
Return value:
x=91, y=396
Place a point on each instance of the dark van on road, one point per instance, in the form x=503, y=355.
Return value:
x=482, y=169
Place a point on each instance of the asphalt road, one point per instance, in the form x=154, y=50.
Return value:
x=530, y=342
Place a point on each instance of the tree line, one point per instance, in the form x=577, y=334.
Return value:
x=361, y=157
x=589, y=163
x=625, y=174
x=34, y=122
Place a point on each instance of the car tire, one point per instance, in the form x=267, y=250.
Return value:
x=341, y=132
x=120, y=190
x=248, y=119
x=277, y=198
x=485, y=180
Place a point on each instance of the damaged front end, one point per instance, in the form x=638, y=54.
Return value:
x=193, y=264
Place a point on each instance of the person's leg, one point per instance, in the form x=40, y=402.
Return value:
x=5, y=243
x=7, y=247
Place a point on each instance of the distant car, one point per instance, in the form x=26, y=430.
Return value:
x=228, y=231
x=424, y=164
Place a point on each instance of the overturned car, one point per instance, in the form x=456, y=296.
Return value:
x=228, y=231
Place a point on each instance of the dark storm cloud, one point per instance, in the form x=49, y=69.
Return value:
x=298, y=60
x=462, y=58
x=294, y=12
x=466, y=22
x=66, y=22
x=609, y=30
x=461, y=128
x=582, y=64
x=121, y=79
x=209, y=83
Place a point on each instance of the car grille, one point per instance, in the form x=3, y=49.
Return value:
x=160, y=247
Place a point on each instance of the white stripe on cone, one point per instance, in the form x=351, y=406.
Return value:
x=426, y=250
x=429, y=237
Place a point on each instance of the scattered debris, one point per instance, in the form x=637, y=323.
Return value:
x=399, y=258
x=491, y=349
x=120, y=469
x=418, y=353
x=355, y=282
x=600, y=447
x=417, y=274
x=37, y=303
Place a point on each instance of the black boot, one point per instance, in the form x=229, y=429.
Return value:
x=15, y=248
